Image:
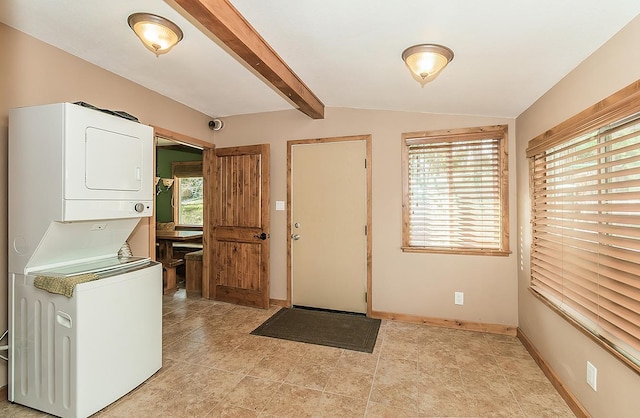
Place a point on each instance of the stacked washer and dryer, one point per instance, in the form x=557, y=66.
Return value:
x=80, y=180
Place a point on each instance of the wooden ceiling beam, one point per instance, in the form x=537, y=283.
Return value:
x=227, y=24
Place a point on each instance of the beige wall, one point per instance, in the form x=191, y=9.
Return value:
x=614, y=66
x=32, y=73
x=407, y=283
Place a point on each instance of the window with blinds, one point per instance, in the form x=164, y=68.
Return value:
x=455, y=191
x=585, y=255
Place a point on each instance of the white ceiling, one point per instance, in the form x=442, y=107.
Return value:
x=507, y=53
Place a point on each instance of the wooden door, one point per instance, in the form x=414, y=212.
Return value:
x=241, y=226
x=329, y=222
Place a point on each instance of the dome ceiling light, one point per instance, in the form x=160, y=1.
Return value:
x=425, y=61
x=157, y=34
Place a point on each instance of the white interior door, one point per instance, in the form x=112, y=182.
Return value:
x=328, y=225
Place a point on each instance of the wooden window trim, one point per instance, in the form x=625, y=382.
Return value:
x=599, y=341
x=620, y=104
x=184, y=169
x=617, y=106
x=456, y=135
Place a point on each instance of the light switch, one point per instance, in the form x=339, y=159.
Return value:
x=279, y=204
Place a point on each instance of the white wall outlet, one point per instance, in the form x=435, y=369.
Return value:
x=459, y=298
x=592, y=376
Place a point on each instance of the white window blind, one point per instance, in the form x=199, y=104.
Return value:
x=586, y=231
x=456, y=191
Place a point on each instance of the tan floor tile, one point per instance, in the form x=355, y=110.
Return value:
x=274, y=367
x=538, y=398
x=17, y=411
x=436, y=354
x=293, y=401
x=312, y=376
x=481, y=384
x=397, y=394
x=521, y=367
x=142, y=402
x=219, y=309
x=173, y=376
x=225, y=410
x=438, y=401
x=290, y=349
x=211, y=333
x=172, y=332
x=186, y=350
x=398, y=331
x=198, y=305
x=439, y=374
x=546, y=410
x=435, y=335
x=188, y=405
x=378, y=410
x=479, y=362
x=237, y=361
x=393, y=370
x=491, y=406
x=318, y=354
x=215, y=355
x=211, y=383
x=463, y=338
x=331, y=405
x=502, y=339
x=399, y=348
x=180, y=314
x=350, y=383
x=396, y=384
x=358, y=362
x=257, y=341
x=510, y=350
x=252, y=393
x=166, y=366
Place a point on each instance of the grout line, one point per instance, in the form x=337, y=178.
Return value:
x=504, y=376
x=375, y=370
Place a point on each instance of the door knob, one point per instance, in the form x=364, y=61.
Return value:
x=262, y=236
x=295, y=237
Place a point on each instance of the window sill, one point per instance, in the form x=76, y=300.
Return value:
x=458, y=251
x=596, y=339
x=189, y=227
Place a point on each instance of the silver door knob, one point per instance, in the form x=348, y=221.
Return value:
x=295, y=237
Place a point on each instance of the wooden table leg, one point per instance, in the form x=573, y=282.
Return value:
x=165, y=248
x=169, y=275
x=169, y=282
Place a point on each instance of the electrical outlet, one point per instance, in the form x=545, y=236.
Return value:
x=592, y=376
x=459, y=298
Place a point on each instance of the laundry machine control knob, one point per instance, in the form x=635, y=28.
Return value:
x=139, y=207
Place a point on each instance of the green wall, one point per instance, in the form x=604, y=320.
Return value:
x=164, y=158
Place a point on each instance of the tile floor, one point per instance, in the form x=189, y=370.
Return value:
x=214, y=368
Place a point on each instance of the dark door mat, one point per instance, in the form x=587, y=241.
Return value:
x=333, y=329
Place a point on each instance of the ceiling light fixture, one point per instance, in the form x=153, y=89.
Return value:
x=425, y=61
x=158, y=34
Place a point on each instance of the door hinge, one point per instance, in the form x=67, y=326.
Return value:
x=365, y=163
x=365, y=296
x=366, y=229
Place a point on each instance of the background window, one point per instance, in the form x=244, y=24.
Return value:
x=188, y=193
x=455, y=186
